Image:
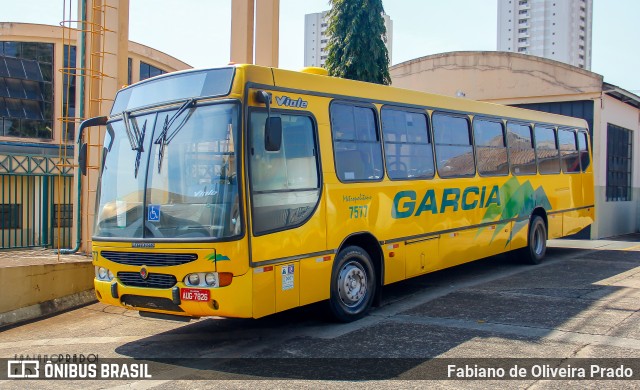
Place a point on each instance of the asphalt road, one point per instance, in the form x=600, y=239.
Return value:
x=582, y=302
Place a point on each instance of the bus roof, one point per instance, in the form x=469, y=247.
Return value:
x=314, y=84
x=307, y=83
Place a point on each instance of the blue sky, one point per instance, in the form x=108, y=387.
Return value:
x=197, y=31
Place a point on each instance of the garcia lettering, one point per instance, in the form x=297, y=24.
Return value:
x=405, y=203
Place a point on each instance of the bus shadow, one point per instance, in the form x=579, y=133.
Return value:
x=575, y=291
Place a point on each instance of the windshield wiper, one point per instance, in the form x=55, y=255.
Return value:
x=133, y=135
x=140, y=144
x=164, y=139
x=136, y=137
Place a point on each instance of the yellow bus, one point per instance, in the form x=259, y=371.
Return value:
x=244, y=191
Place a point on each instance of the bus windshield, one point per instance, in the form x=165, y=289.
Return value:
x=179, y=182
x=174, y=87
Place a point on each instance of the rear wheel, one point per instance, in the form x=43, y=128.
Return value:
x=536, y=241
x=352, y=284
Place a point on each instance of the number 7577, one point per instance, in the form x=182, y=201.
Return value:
x=358, y=211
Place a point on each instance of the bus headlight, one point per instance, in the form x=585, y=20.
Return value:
x=211, y=279
x=193, y=279
x=104, y=274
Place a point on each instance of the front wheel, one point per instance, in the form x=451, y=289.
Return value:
x=536, y=241
x=352, y=284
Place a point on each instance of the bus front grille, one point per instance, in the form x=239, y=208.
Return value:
x=133, y=279
x=139, y=301
x=149, y=259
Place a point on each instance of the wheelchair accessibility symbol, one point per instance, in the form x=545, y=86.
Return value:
x=153, y=213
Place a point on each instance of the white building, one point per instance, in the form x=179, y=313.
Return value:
x=556, y=29
x=316, y=38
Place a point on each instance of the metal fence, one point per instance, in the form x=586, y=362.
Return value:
x=36, y=201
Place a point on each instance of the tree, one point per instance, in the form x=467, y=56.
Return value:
x=356, y=49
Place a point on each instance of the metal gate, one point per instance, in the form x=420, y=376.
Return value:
x=36, y=207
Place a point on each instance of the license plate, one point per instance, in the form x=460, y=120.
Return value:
x=195, y=294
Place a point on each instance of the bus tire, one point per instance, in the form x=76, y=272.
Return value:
x=536, y=241
x=353, y=284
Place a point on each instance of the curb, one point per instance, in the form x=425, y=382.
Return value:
x=47, y=308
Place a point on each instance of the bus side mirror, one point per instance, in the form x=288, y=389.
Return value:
x=82, y=159
x=273, y=134
x=82, y=152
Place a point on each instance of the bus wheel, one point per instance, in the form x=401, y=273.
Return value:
x=536, y=241
x=353, y=284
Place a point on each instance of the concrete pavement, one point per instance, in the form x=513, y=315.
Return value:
x=582, y=302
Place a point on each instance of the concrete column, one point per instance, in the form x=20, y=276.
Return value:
x=106, y=53
x=123, y=43
x=242, y=12
x=267, y=32
x=265, y=15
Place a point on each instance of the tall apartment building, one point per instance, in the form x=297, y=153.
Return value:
x=316, y=38
x=556, y=29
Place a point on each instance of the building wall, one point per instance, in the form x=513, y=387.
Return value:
x=501, y=77
x=616, y=217
x=316, y=38
x=554, y=29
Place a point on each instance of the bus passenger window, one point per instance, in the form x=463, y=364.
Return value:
x=584, y=150
x=356, y=145
x=285, y=185
x=547, y=150
x=569, y=151
x=491, y=150
x=521, y=152
x=454, y=151
x=407, y=145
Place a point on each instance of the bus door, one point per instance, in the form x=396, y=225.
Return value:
x=587, y=178
x=287, y=220
x=570, y=162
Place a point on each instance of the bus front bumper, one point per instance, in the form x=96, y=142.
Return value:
x=233, y=300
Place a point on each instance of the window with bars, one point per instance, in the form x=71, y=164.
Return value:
x=619, y=162
x=62, y=213
x=10, y=216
